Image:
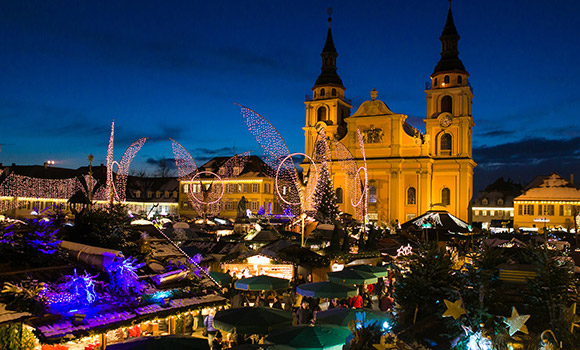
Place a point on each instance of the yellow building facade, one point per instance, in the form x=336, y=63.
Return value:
x=251, y=182
x=548, y=201
x=409, y=172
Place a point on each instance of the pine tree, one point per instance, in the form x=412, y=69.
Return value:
x=327, y=210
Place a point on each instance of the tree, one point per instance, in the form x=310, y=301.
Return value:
x=108, y=227
x=327, y=210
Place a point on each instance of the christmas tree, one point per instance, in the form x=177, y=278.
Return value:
x=325, y=199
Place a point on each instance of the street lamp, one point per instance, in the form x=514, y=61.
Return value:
x=48, y=163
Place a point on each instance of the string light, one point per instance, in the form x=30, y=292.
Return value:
x=123, y=168
x=183, y=160
x=20, y=186
x=276, y=150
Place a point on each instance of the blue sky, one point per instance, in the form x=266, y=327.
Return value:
x=175, y=68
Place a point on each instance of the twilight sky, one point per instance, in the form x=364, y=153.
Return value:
x=175, y=68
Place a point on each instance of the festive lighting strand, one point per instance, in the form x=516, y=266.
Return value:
x=30, y=187
x=280, y=175
x=274, y=146
x=238, y=161
x=110, y=182
x=183, y=160
x=123, y=169
x=189, y=259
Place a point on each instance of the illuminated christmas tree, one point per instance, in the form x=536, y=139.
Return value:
x=325, y=200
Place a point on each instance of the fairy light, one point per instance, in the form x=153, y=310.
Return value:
x=123, y=169
x=183, y=160
x=110, y=182
x=276, y=150
x=20, y=186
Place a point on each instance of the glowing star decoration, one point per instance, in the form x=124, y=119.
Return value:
x=404, y=250
x=517, y=322
x=572, y=317
x=454, y=309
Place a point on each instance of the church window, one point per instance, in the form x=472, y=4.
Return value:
x=435, y=82
x=339, y=194
x=445, y=196
x=314, y=94
x=321, y=113
x=333, y=92
x=411, y=195
x=322, y=92
x=446, y=144
x=446, y=79
x=459, y=79
x=372, y=194
x=447, y=104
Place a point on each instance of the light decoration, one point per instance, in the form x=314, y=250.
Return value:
x=517, y=322
x=71, y=292
x=404, y=250
x=123, y=275
x=454, y=309
x=192, y=260
x=356, y=185
x=476, y=340
x=183, y=160
x=276, y=153
x=25, y=187
x=207, y=201
x=116, y=188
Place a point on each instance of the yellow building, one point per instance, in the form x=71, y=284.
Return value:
x=409, y=172
x=548, y=201
x=250, y=181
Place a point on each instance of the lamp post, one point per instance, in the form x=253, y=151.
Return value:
x=544, y=220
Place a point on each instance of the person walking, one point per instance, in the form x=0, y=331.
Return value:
x=209, y=329
x=304, y=314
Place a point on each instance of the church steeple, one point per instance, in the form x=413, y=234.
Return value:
x=449, y=61
x=328, y=75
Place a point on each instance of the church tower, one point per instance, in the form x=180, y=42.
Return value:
x=328, y=106
x=449, y=124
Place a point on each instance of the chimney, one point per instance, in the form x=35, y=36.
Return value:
x=572, y=179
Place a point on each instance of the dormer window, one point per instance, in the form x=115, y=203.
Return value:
x=484, y=201
x=500, y=201
x=222, y=171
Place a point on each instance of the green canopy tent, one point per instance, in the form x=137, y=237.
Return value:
x=221, y=277
x=343, y=316
x=326, y=289
x=348, y=276
x=251, y=320
x=262, y=282
x=378, y=271
x=307, y=337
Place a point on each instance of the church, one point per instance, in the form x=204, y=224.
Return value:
x=409, y=172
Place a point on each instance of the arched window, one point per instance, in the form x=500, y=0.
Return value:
x=321, y=113
x=314, y=94
x=372, y=194
x=411, y=195
x=446, y=144
x=500, y=201
x=447, y=104
x=445, y=196
x=446, y=79
x=435, y=82
x=338, y=195
x=333, y=92
x=459, y=79
x=322, y=92
x=484, y=201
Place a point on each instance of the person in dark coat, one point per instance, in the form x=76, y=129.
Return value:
x=304, y=315
x=277, y=304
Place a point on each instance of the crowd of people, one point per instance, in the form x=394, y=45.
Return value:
x=378, y=296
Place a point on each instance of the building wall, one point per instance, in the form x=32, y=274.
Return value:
x=258, y=192
x=534, y=213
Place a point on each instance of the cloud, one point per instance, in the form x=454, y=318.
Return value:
x=522, y=160
x=497, y=133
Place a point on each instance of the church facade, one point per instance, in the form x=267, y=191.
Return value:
x=409, y=172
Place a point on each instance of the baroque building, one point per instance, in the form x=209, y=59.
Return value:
x=409, y=172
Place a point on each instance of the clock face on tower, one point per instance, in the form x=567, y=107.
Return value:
x=446, y=121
